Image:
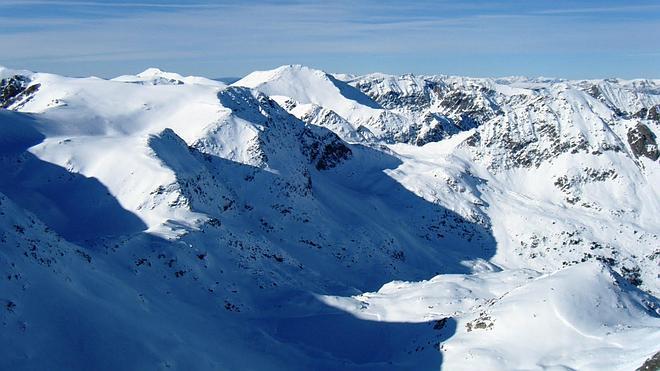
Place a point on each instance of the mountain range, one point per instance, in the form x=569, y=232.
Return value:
x=297, y=219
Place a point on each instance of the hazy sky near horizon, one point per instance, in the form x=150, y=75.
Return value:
x=571, y=39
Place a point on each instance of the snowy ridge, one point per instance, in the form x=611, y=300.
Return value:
x=204, y=226
x=155, y=76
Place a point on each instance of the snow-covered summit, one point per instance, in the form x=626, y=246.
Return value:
x=155, y=76
x=307, y=85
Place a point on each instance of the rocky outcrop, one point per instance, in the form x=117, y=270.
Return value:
x=428, y=109
x=324, y=148
x=652, y=113
x=15, y=89
x=642, y=142
x=416, y=96
x=469, y=108
x=651, y=364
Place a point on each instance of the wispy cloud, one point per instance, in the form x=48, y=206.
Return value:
x=395, y=36
x=601, y=9
x=113, y=4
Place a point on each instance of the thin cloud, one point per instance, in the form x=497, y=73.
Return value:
x=605, y=9
x=243, y=36
x=113, y=4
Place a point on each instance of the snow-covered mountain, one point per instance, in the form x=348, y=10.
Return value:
x=160, y=221
x=561, y=170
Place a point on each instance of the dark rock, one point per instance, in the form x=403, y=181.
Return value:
x=15, y=89
x=643, y=142
x=632, y=275
x=440, y=324
x=652, y=113
x=651, y=364
x=324, y=149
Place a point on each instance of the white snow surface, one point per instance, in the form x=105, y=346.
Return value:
x=155, y=76
x=580, y=318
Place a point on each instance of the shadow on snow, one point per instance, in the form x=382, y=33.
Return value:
x=374, y=231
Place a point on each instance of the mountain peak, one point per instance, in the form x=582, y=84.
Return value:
x=286, y=72
x=156, y=76
x=151, y=71
x=296, y=67
x=307, y=85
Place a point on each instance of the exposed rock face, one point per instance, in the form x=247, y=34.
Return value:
x=15, y=89
x=651, y=364
x=596, y=92
x=417, y=97
x=444, y=107
x=652, y=113
x=643, y=142
x=520, y=122
x=325, y=150
x=468, y=107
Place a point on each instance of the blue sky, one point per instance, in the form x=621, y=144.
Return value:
x=572, y=39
